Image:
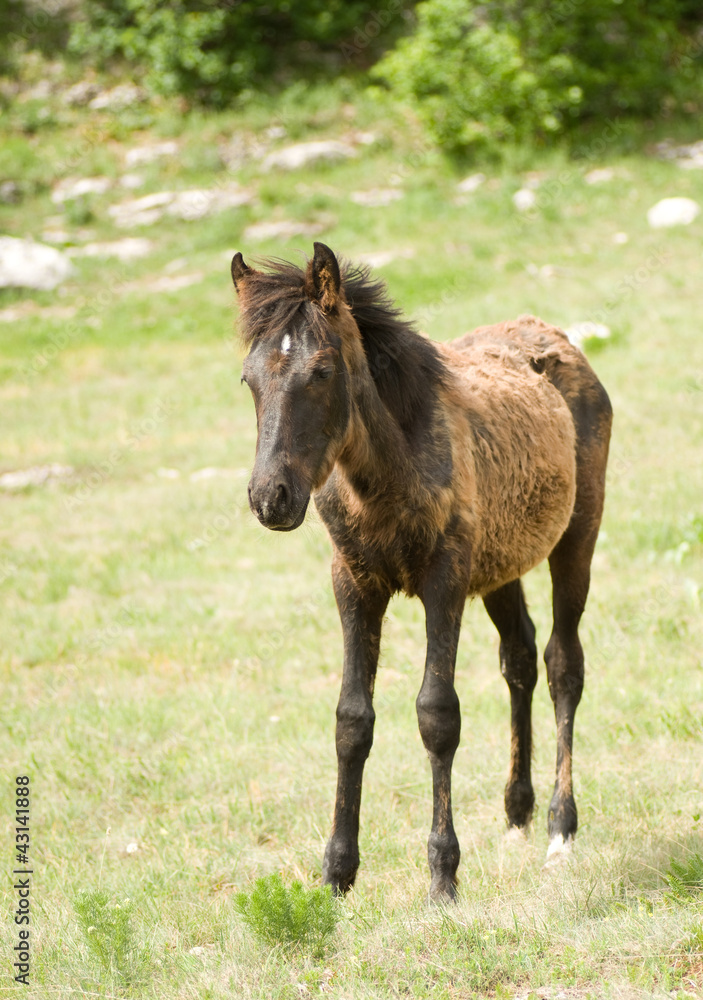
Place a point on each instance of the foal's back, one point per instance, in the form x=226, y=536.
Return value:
x=534, y=405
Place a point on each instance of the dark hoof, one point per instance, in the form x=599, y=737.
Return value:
x=339, y=867
x=442, y=892
x=519, y=803
x=562, y=818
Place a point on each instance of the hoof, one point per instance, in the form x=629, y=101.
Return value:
x=442, y=892
x=515, y=836
x=559, y=850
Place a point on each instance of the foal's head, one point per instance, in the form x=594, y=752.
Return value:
x=294, y=323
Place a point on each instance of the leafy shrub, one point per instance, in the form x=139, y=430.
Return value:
x=685, y=879
x=293, y=916
x=108, y=930
x=483, y=73
x=213, y=49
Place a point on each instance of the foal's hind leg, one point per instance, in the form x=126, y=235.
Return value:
x=570, y=566
x=518, y=664
x=361, y=613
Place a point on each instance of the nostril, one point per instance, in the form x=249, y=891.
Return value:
x=281, y=495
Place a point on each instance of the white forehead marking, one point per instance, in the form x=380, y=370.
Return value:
x=285, y=344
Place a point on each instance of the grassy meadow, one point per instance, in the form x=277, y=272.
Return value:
x=170, y=669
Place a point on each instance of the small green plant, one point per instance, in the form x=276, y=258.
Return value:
x=289, y=916
x=685, y=879
x=108, y=928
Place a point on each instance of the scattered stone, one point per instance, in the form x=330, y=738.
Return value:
x=286, y=229
x=213, y=472
x=25, y=264
x=688, y=156
x=141, y=211
x=36, y=475
x=197, y=950
x=600, y=175
x=524, y=199
x=172, y=282
x=129, y=248
x=376, y=197
x=364, y=138
x=132, y=848
x=274, y=132
x=120, y=97
x=132, y=181
x=81, y=93
x=57, y=236
x=471, y=183
x=10, y=192
x=305, y=153
x=24, y=309
x=672, y=212
x=147, y=154
x=381, y=258
x=188, y=205
x=69, y=189
x=578, y=333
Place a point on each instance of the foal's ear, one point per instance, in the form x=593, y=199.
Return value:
x=239, y=270
x=324, y=279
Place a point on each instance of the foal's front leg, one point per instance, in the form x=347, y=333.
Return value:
x=361, y=612
x=440, y=723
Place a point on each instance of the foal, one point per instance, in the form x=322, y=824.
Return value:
x=441, y=470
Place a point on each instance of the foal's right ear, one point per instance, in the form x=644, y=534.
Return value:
x=239, y=269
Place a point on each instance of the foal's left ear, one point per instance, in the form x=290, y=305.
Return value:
x=239, y=269
x=324, y=279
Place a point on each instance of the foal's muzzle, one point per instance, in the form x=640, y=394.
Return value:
x=278, y=504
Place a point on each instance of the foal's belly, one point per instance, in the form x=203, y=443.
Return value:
x=525, y=490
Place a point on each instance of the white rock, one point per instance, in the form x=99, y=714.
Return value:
x=37, y=475
x=57, y=236
x=81, y=93
x=189, y=205
x=305, y=153
x=147, y=154
x=381, y=258
x=599, y=175
x=141, y=211
x=580, y=332
x=120, y=97
x=132, y=181
x=471, y=183
x=69, y=189
x=129, y=248
x=376, y=197
x=132, y=848
x=524, y=199
x=672, y=212
x=284, y=230
x=25, y=264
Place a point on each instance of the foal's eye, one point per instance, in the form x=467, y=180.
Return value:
x=322, y=373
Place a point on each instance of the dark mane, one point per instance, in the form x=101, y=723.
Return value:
x=406, y=367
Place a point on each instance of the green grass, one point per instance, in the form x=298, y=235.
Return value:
x=170, y=670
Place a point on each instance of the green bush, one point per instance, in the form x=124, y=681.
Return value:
x=107, y=926
x=484, y=73
x=685, y=879
x=291, y=917
x=213, y=49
